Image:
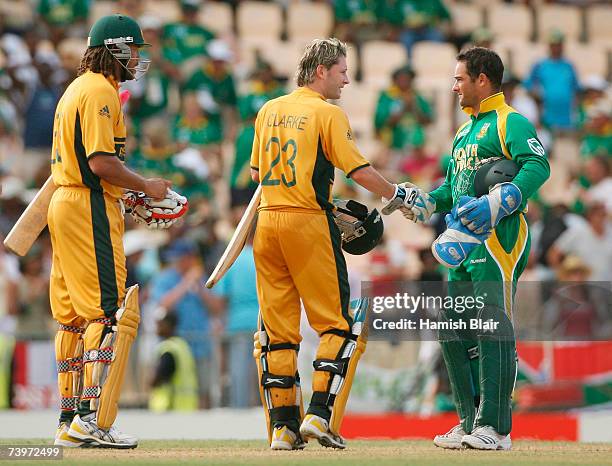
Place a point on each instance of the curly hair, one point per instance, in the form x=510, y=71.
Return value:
x=324, y=52
x=98, y=60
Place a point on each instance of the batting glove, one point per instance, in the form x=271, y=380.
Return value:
x=403, y=198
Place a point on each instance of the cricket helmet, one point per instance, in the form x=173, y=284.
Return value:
x=361, y=229
x=492, y=172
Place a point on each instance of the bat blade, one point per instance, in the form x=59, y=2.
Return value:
x=236, y=244
x=32, y=221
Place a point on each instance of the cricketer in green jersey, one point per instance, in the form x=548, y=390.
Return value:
x=493, y=239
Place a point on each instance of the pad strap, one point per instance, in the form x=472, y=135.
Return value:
x=279, y=346
x=68, y=403
x=340, y=333
x=90, y=393
x=285, y=413
x=335, y=366
x=70, y=365
x=105, y=321
x=322, y=398
x=269, y=380
x=105, y=355
x=71, y=329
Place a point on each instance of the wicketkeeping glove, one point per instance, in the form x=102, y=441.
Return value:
x=453, y=246
x=155, y=214
x=484, y=213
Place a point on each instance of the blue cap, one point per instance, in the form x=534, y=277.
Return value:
x=179, y=248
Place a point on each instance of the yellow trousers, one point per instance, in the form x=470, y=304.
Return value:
x=87, y=277
x=298, y=255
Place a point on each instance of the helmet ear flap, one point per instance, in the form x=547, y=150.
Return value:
x=361, y=229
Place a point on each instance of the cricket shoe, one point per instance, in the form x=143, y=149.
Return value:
x=451, y=439
x=64, y=439
x=486, y=438
x=88, y=431
x=318, y=428
x=283, y=438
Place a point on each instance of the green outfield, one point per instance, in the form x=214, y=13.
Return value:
x=383, y=452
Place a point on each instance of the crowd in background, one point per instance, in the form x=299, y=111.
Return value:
x=191, y=120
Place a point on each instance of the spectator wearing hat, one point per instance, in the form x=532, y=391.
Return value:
x=214, y=85
x=185, y=41
x=178, y=289
x=401, y=116
x=596, y=137
x=589, y=239
x=553, y=82
x=174, y=386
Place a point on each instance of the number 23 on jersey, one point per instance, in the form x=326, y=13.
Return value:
x=282, y=168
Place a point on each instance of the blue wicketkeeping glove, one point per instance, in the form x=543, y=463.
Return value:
x=483, y=214
x=453, y=246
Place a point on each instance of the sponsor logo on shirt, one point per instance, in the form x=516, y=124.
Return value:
x=478, y=261
x=104, y=111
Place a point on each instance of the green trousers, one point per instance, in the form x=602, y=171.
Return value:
x=478, y=345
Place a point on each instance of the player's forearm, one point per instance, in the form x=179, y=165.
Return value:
x=111, y=170
x=443, y=196
x=374, y=182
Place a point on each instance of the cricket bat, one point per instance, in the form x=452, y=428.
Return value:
x=236, y=244
x=32, y=221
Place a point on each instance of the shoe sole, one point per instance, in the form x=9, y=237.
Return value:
x=324, y=439
x=448, y=446
x=94, y=442
x=486, y=447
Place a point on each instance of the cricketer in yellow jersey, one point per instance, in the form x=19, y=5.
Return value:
x=98, y=318
x=300, y=139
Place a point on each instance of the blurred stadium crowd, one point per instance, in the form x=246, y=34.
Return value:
x=190, y=119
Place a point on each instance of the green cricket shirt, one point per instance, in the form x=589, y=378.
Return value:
x=497, y=131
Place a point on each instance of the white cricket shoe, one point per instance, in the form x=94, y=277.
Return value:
x=486, y=438
x=451, y=439
x=318, y=428
x=283, y=438
x=63, y=438
x=89, y=432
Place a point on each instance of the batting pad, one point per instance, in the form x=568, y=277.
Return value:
x=128, y=319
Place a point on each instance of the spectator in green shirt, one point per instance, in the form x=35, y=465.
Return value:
x=194, y=128
x=185, y=41
x=358, y=20
x=418, y=20
x=263, y=88
x=156, y=156
x=149, y=94
x=401, y=116
x=59, y=14
x=214, y=84
x=597, y=135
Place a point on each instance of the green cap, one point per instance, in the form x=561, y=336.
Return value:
x=555, y=36
x=115, y=29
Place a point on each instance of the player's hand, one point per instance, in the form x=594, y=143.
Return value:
x=156, y=188
x=423, y=208
x=404, y=196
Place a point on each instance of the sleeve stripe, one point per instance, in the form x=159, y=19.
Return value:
x=348, y=175
x=101, y=153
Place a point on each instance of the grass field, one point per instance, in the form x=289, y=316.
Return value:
x=382, y=452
